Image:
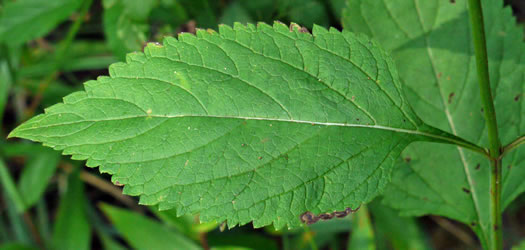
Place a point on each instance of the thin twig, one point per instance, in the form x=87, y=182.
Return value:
x=454, y=230
x=32, y=228
x=106, y=187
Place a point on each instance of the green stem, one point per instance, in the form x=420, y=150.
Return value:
x=480, y=48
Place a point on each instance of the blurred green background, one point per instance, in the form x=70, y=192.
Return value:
x=48, y=48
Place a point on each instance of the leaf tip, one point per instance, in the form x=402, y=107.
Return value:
x=18, y=132
x=13, y=133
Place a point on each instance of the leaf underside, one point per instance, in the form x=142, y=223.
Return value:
x=431, y=44
x=254, y=123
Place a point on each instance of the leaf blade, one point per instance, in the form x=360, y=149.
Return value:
x=248, y=124
x=149, y=234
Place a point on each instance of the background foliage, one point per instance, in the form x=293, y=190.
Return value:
x=49, y=201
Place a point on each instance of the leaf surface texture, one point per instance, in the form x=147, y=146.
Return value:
x=254, y=123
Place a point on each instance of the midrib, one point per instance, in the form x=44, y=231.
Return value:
x=416, y=132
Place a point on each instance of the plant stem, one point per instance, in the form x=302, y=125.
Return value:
x=480, y=48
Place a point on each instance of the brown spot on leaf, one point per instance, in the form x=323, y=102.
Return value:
x=452, y=1
x=450, y=96
x=448, y=78
x=440, y=74
x=310, y=218
x=304, y=30
x=517, y=97
x=326, y=216
x=260, y=158
x=190, y=27
x=408, y=159
x=294, y=26
x=466, y=190
x=117, y=183
x=478, y=166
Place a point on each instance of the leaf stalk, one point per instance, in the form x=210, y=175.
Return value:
x=513, y=145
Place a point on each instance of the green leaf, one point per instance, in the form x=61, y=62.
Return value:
x=123, y=32
x=54, y=93
x=362, y=236
x=36, y=175
x=169, y=12
x=235, y=12
x=439, y=75
x=324, y=233
x=261, y=10
x=239, y=239
x=143, y=233
x=24, y=20
x=185, y=224
x=17, y=246
x=6, y=79
x=202, y=11
x=139, y=10
x=14, y=207
x=9, y=188
x=82, y=56
x=306, y=12
x=398, y=232
x=254, y=123
x=71, y=229
x=109, y=243
x=337, y=6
